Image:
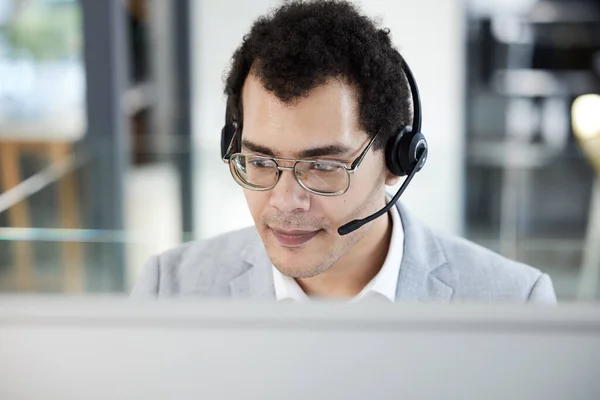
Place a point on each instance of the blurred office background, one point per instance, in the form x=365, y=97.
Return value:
x=111, y=111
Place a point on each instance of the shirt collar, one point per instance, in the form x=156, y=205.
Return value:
x=383, y=284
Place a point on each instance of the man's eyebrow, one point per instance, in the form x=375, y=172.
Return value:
x=325, y=151
x=257, y=148
x=330, y=150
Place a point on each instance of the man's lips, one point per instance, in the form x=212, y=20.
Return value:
x=294, y=237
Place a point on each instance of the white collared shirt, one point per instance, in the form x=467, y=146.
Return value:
x=383, y=284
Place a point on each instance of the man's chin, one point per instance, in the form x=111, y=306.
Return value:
x=296, y=262
x=297, y=270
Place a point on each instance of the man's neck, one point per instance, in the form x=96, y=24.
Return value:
x=352, y=272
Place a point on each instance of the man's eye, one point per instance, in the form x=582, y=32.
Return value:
x=324, y=167
x=257, y=163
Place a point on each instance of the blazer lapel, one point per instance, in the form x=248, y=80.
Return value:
x=422, y=256
x=257, y=281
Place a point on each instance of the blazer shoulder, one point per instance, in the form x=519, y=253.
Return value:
x=205, y=265
x=231, y=243
x=477, y=272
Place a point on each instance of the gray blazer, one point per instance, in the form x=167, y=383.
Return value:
x=434, y=268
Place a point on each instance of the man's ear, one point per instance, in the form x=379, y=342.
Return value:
x=391, y=179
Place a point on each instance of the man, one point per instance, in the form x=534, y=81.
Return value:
x=317, y=90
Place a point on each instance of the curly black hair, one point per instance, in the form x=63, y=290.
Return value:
x=300, y=45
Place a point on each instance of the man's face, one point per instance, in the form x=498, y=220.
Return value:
x=298, y=228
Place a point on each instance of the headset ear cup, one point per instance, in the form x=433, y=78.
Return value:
x=393, y=152
x=411, y=146
x=417, y=145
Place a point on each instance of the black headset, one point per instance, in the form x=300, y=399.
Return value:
x=405, y=152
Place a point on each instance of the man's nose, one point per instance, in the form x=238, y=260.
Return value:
x=288, y=195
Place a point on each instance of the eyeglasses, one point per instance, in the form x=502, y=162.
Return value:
x=321, y=177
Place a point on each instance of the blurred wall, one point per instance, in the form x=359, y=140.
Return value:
x=218, y=27
x=429, y=33
x=489, y=7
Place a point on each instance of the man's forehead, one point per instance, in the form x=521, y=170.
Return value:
x=299, y=136
x=324, y=118
x=331, y=105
